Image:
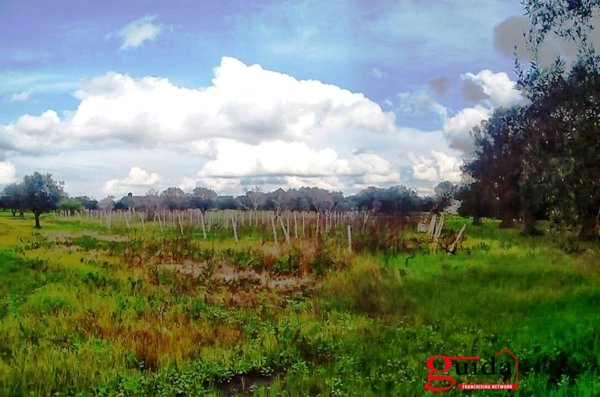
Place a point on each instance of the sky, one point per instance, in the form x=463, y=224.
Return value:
x=113, y=97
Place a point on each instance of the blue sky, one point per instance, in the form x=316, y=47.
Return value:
x=379, y=92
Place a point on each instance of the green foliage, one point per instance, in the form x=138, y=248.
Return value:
x=87, y=242
x=69, y=204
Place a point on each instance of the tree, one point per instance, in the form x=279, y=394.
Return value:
x=87, y=202
x=203, y=198
x=476, y=200
x=278, y=199
x=566, y=131
x=570, y=19
x=395, y=199
x=226, y=203
x=319, y=199
x=40, y=194
x=126, y=202
x=444, y=194
x=13, y=198
x=70, y=204
x=174, y=198
x=564, y=117
x=255, y=197
x=497, y=164
x=151, y=200
x=107, y=203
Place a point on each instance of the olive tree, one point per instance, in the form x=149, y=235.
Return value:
x=41, y=194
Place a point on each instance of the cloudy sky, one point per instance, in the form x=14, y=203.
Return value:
x=123, y=96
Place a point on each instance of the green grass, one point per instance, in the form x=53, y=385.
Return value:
x=85, y=313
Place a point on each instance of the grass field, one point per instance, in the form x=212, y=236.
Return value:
x=90, y=312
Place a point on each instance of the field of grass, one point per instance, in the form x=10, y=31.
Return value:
x=89, y=312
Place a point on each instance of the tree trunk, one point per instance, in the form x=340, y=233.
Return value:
x=529, y=222
x=508, y=209
x=507, y=221
x=37, y=220
x=588, y=226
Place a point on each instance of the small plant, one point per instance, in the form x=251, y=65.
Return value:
x=87, y=242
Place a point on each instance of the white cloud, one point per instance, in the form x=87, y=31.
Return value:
x=493, y=89
x=138, y=181
x=249, y=125
x=20, y=96
x=246, y=103
x=420, y=102
x=135, y=33
x=488, y=90
x=457, y=129
x=35, y=134
x=295, y=163
x=436, y=167
x=7, y=172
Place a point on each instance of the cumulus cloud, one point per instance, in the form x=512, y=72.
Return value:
x=436, y=167
x=294, y=162
x=246, y=103
x=8, y=172
x=495, y=89
x=35, y=134
x=457, y=129
x=249, y=125
x=138, y=181
x=488, y=90
x=418, y=103
x=135, y=33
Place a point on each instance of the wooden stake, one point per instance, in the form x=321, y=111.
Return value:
x=432, y=225
x=295, y=226
x=160, y=222
x=127, y=221
x=455, y=243
x=274, y=230
x=285, y=231
x=234, y=226
x=365, y=221
x=202, y=223
x=438, y=230
x=349, y=239
x=180, y=219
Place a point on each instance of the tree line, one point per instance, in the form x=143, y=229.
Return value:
x=39, y=193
